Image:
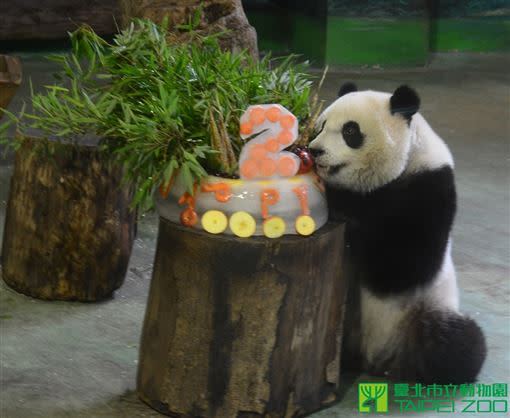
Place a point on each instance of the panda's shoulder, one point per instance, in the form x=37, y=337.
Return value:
x=427, y=182
x=428, y=195
x=428, y=151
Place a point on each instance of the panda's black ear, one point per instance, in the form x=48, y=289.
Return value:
x=405, y=101
x=348, y=87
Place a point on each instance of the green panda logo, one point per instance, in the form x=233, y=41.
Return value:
x=373, y=397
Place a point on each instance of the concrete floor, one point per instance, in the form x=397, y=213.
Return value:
x=79, y=360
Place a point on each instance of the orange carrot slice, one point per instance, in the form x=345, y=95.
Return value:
x=268, y=197
x=273, y=113
x=285, y=137
x=302, y=194
x=267, y=167
x=221, y=191
x=272, y=145
x=257, y=115
x=258, y=151
x=287, y=121
x=249, y=169
x=286, y=166
x=189, y=217
x=246, y=128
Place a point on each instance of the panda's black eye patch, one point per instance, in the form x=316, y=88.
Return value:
x=352, y=134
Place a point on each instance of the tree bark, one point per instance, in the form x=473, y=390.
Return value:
x=243, y=328
x=68, y=227
x=10, y=79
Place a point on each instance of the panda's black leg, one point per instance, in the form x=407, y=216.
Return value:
x=439, y=347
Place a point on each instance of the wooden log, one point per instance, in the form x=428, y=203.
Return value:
x=10, y=79
x=242, y=328
x=68, y=227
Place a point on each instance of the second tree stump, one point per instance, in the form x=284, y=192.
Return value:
x=68, y=226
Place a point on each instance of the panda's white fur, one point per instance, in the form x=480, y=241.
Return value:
x=398, y=146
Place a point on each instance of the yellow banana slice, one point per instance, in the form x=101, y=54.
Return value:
x=274, y=227
x=242, y=224
x=305, y=225
x=214, y=221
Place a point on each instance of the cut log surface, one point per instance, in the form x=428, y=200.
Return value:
x=243, y=328
x=68, y=228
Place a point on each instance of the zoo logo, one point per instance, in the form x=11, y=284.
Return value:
x=373, y=397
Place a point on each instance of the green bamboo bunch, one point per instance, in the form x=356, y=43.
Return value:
x=161, y=106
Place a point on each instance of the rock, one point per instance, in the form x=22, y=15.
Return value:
x=217, y=16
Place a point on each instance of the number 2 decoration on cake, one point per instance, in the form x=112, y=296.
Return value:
x=274, y=128
x=271, y=193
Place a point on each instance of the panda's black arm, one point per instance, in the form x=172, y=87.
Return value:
x=426, y=191
x=400, y=232
x=344, y=204
x=406, y=245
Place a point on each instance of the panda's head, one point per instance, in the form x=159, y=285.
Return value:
x=363, y=138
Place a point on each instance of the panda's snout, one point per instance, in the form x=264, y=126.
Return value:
x=316, y=152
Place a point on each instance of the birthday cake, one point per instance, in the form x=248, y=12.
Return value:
x=271, y=197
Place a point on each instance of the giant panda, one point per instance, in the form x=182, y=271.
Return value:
x=390, y=176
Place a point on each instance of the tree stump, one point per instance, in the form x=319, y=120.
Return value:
x=243, y=328
x=68, y=227
x=10, y=79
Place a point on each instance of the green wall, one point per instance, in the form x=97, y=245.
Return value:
x=487, y=34
x=385, y=33
x=309, y=38
x=271, y=34
x=386, y=42
x=285, y=34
